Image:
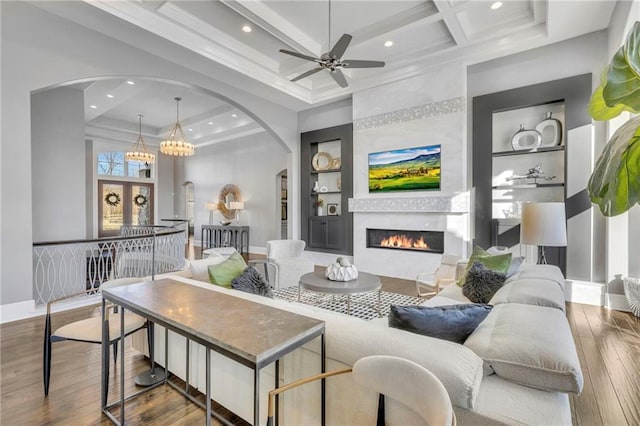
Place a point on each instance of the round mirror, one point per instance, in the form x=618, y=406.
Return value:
x=228, y=194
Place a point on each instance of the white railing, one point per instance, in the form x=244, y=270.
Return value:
x=63, y=268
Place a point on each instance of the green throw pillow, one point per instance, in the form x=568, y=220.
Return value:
x=497, y=263
x=223, y=273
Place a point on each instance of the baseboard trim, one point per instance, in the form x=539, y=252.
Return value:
x=17, y=311
x=617, y=302
x=585, y=292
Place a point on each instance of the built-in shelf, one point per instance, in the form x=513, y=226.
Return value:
x=315, y=172
x=529, y=186
x=532, y=151
x=313, y=194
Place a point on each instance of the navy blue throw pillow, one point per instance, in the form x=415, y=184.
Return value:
x=453, y=322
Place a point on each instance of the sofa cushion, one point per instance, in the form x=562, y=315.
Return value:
x=224, y=272
x=453, y=322
x=498, y=263
x=250, y=281
x=199, y=268
x=542, y=272
x=481, y=283
x=529, y=345
x=531, y=292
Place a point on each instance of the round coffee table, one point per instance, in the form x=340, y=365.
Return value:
x=365, y=283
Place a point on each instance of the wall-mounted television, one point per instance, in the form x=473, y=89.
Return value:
x=411, y=169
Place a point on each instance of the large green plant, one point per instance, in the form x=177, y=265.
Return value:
x=615, y=182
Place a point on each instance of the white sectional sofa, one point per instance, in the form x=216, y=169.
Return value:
x=516, y=368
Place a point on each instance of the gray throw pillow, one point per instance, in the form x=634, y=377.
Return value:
x=250, y=281
x=453, y=322
x=481, y=283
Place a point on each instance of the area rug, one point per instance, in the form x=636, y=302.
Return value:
x=362, y=305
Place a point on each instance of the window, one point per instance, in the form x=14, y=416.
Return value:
x=114, y=164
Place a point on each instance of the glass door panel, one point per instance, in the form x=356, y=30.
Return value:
x=142, y=204
x=123, y=203
x=111, y=209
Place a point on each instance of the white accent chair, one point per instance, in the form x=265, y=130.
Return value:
x=397, y=378
x=428, y=284
x=284, y=257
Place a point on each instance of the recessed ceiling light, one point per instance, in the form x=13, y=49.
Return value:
x=191, y=130
x=110, y=96
x=388, y=43
x=496, y=5
x=246, y=29
x=130, y=82
x=93, y=106
x=234, y=115
x=211, y=123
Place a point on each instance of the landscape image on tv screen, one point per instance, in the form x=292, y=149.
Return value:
x=410, y=169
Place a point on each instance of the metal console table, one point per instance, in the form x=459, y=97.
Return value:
x=225, y=236
x=233, y=336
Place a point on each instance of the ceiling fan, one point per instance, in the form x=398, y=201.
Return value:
x=332, y=61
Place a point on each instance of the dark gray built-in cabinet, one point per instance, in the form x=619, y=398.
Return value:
x=326, y=172
x=496, y=117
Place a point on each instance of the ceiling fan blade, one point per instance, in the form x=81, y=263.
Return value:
x=353, y=63
x=339, y=78
x=307, y=74
x=300, y=55
x=340, y=47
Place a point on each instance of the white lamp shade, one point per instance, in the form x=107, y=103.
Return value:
x=236, y=205
x=543, y=224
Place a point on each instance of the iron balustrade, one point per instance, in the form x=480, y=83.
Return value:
x=65, y=268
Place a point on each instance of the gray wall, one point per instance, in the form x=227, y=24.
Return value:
x=58, y=158
x=164, y=188
x=333, y=114
x=252, y=163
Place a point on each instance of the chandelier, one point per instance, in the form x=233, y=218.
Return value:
x=140, y=152
x=176, y=144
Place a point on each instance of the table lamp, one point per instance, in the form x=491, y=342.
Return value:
x=237, y=206
x=544, y=225
x=211, y=207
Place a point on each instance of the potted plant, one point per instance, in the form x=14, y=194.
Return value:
x=614, y=184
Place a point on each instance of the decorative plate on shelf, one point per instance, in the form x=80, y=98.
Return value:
x=321, y=161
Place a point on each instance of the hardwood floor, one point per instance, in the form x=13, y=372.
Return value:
x=608, y=344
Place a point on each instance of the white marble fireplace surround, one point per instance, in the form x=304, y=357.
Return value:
x=448, y=214
x=429, y=109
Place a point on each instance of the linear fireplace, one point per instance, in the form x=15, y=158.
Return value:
x=423, y=241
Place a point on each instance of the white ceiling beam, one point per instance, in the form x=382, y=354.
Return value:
x=235, y=133
x=419, y=15
x=262, y=15
x=177, y=33
x=451, y=21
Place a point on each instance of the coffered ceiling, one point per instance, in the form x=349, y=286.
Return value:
x=423, y=33
x=409, y=35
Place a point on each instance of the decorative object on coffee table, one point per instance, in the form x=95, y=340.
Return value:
x=632, y=293
x=525, y=139
x=342, y=270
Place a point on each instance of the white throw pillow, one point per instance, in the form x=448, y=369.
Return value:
x=530, y=292
x=199, y=268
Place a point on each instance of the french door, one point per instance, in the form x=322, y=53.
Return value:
x=123, y=203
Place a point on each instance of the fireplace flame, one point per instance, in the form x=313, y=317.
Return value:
x=402, y=241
